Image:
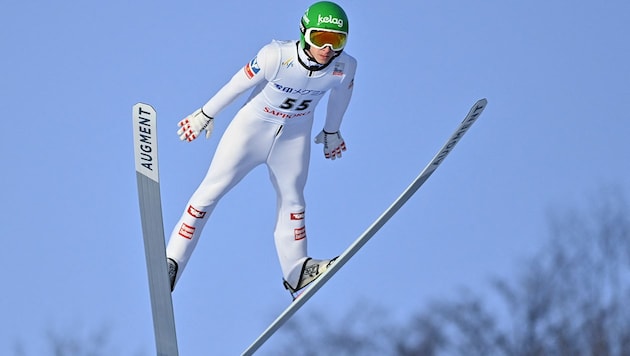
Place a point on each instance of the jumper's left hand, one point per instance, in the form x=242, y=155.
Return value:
x=333, y=143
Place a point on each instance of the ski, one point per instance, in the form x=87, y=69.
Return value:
x=147, y=176
x=470, y=119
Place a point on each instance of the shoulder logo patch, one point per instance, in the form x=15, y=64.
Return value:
x=252, y=68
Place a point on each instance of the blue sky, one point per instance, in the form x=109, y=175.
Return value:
x=555, y=130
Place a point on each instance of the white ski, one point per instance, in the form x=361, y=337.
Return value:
x=472, y=116
x=147, y=175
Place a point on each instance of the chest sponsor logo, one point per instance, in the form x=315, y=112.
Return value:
x=252, y=68
x=298, y=91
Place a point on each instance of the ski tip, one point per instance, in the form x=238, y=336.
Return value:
x=141, y=104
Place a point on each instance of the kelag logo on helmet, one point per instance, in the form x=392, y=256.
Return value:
x=329, y=19
x=324, y=23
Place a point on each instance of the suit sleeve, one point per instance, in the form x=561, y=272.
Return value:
x=259, y=69
x=339, y=98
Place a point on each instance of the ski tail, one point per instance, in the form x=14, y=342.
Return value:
x=468, y=121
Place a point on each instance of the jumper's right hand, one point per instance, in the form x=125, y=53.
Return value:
x=193, y=124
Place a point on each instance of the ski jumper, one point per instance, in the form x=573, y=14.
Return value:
x=272, y=128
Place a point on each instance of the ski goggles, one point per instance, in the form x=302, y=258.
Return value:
x=320, y=38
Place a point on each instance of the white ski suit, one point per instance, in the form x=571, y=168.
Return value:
x=272, y=128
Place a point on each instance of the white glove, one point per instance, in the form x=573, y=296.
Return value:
x=193, y=124
x=333, y=143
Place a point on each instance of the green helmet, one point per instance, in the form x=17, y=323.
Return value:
x=324, y=16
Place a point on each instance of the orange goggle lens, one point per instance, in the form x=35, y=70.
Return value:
x=321, y=39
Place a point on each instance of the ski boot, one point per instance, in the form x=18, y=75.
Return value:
x=172, y=272
x=311, y=270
